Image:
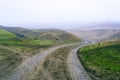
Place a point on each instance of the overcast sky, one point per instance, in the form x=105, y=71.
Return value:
x=26, y=12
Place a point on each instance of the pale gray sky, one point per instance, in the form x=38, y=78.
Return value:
x=22, y=12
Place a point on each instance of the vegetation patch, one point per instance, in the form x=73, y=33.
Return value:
x=6, y=35
x=102, y=60
x=8, y=61
x=41, y=42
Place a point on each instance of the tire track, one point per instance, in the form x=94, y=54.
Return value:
x=30, y=64
x=77, y=72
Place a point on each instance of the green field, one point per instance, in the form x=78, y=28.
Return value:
x=27, y=47
x=102, y=60
x=8, y=38
x=41, y=42
x=6, y=35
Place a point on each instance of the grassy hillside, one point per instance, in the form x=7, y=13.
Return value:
x=102, y=60
x=6, y=35
x=55, y=35
x=18, y=44
x=11, y=41
x=20, y=32
x=28, y=41
x=13, y=50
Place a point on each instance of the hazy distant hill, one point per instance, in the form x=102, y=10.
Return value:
x=100, y=34
x=116, y=35
x=113, y=25
x=104, y=31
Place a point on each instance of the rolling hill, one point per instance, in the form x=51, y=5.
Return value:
x=6, y=35
x=8, y=38
x=102, y=60
x=98, y=35
x=98, y=32
x=18, y=44
x=43, y=34
x=33, y=40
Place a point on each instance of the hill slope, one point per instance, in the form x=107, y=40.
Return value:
x=6, y=35
x=56, y=35
x=7, y=38
x=43, y=34
x=102, y=60
x=18, y=44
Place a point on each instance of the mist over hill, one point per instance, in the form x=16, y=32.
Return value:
x=65, y=26
x=96, y=31
x=101, y=32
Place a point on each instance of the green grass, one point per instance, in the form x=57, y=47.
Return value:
x=8, y=38
x=6, y=35
x=41, y=42
x=102, y=60
x=8, y=61
x=55, y=35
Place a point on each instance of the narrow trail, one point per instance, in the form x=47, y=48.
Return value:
x=77, y=72
x=30, y=64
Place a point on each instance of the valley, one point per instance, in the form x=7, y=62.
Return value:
x=59, y=39
x=54, y=54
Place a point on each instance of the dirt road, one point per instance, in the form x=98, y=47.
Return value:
x=30, y=64
x=76, y=69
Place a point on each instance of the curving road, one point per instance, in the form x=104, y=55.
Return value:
x=76, y=69
x=30, y=64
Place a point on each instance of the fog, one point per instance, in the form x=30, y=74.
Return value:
x=42, y=13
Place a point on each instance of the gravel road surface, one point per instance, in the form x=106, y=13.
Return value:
x=76, y=69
